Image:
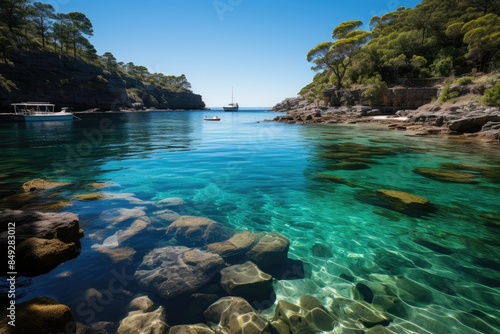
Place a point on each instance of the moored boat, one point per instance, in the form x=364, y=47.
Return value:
x=233, y=106
x=38, y=111
x=215, y=118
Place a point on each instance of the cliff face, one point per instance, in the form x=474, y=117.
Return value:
x=69, y=82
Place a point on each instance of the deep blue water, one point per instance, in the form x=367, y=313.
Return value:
x=253, y=175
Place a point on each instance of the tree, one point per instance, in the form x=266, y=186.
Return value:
x=483, y=38
x=110, y=60
x=42, y=15
x=79, y=25
x=13, y=15
x=337, y=56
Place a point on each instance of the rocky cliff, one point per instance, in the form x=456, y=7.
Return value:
x=70, y=82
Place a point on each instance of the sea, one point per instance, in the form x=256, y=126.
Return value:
x=318, y=185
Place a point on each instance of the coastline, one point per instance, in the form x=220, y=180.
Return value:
x=463, y=119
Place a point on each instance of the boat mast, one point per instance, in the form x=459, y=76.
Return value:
x=232, y=102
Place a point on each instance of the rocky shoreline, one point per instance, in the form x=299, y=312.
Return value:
x=468, y=119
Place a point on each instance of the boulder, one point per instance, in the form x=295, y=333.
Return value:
x=143, y=304
x=191, y=329
x=235, y=315
x=270, y=251
x=44, y=240
x=39, y=315
x=246, y=280
x=308, y=317
x=358, y=313
x=41, y=184
x=144, y=323
x=196, y=231
x=173, y=271
x=445, y=175
x=236, y=246
x=405, y=202
x=472, y=124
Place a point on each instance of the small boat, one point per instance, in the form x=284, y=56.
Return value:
x=39, y=111
x=215, y=118
x=231, y=106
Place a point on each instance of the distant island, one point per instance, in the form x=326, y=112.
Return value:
x=436, y=64
x=47, y=56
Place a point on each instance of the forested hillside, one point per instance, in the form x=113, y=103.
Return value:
x=44, y=52
x=435, y=39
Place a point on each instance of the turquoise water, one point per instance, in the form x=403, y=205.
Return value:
x=253, y=175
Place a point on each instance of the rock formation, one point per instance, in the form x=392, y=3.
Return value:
x=70, y=82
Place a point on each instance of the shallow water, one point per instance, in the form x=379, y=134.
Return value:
x=262, y=176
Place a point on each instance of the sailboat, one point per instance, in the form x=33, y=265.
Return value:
x=231, y=106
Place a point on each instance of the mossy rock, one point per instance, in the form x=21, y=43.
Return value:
x=89, y=197
x=405, y=202
x=347, y=165
x=41, y=184
x=445, y=175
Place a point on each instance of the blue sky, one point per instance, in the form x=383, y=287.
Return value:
x=258, y=47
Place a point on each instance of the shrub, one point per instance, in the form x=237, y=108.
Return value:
x=375, y=92
x=447, y=93
x=463, y=81
x=492, y=95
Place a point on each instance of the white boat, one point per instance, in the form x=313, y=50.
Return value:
x=39, y=111
x=215, y=118
x=231, y=106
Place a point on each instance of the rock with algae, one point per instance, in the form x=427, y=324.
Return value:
x=446, y=175
x=144, y=322
x=405, y=202
x=246, y=280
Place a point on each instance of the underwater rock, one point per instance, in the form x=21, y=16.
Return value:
x=445, y=175
x=270, y=251
x=191, y=329
x=90, y=197
x=349, y=165
x=41, y=184
x=170, y=202
x=236, y=246
x=374, y=293
x=246, y=280
x=37, y=256
x=405, y=202
x=144, y=322
x=117, y=254
x=39, y=315
x=235, y=315
x=320, y=250
x=358, y=312
x=173, y=271
x=309, y=317
x=44, y=240
x=166, y=215
x=197, y=231
x=142, y=303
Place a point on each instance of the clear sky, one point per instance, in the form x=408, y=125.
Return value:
x=258, y=47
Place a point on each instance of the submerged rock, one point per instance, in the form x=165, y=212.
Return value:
x=246, y=280
x=144, y=322
x=142, y=303
x=44, y=240
x=270, y=251
x=308, y=317
x=197, y=231
x=235, y=315
x=236, y=246
x=446, y=175
x=358, y=313
x=39, y=315
x=405, y=202
x=41, y=184
x=191, y=329
x=173, y=271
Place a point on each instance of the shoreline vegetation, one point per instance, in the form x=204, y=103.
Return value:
x=436, y=64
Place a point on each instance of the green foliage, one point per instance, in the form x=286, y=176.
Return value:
x=483, y=38
x=442, y=67
x=492, y=95
x=375, y=91
x=6, y=84
x=463, y=81
x=447, y=93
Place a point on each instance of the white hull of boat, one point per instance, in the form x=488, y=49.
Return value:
x=50, y=117
x=230, y=108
